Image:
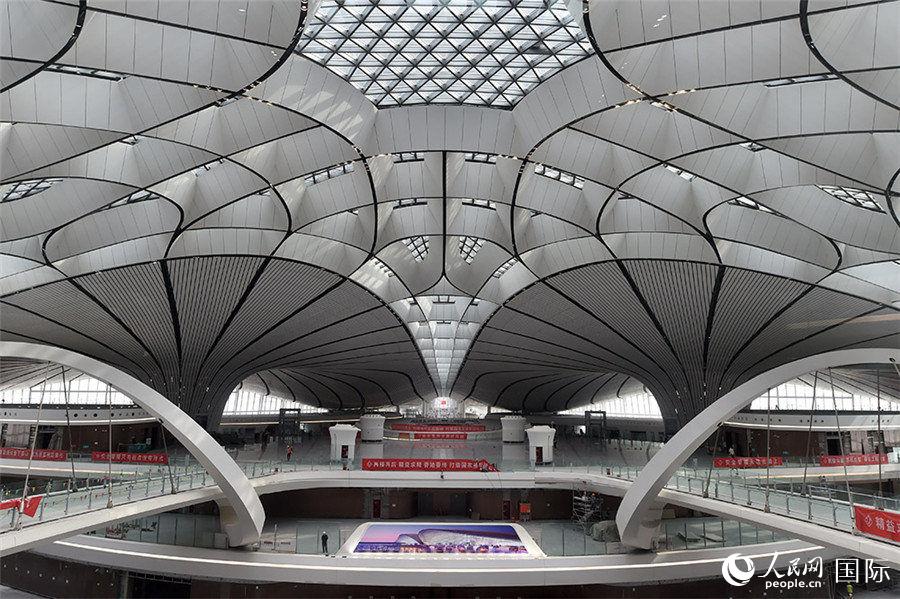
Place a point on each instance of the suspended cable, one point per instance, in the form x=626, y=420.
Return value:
x=73, y=482
x=768, y=442
x=168, y=459
x=804, y=487
x=37, y=426
x=109, y=501
x=837, y=421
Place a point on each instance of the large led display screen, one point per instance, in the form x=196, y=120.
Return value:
x=442, y=538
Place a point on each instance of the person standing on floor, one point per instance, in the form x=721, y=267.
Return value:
x=324, y=542
x=290, y=452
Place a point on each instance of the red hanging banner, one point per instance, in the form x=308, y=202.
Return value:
x=22, y=453
x=756, y=462
x=428, y=465
x=437, y=428
x=879, y=523
x=456, y=436
x=123, y=457
x=853, y=459
x=31, y=505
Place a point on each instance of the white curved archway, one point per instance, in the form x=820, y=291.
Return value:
x=639, y=513
x=243, y=516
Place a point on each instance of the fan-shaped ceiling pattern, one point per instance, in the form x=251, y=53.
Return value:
x=710, y=193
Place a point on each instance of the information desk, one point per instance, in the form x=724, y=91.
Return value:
x=441, y=539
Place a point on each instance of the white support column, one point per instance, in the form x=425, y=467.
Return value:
x=638, y=515
x=513, y=428
x=540, y=441
x=343, y=436
x=243, y=516
x=371, y=428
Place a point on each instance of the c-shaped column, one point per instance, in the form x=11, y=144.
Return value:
x=639, y=513
x=243, y=517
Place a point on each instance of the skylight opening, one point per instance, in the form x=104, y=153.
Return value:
x=407, y=202
x=408, y=156
x=488, y=53
x=746, y=202
x=854, y=197
x=228, y=100
x=141, y=195
x=442, y=299
x=207, y=167
x=384, y=268
x=480, y=157
x=96, y=73
x=24, y=189
x=468, y=248
x=504, y=268
x=328, y=173
x=418, y=246
x=799, y=80
x=752, y=146
x=681, y=173
x=480, y=203
x=562, y=176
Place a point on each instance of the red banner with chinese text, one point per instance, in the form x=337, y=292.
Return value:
x=755, y=462
x=124, y=457
x=428, y=465
x=22, y=453
x=853, y=459
x=437, y=428
x=879, y=523
x=456, y=436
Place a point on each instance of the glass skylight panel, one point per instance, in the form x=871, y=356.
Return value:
x=468, y=248
x=207, y=167
x=480, y=203
x=798, y=80
x=480, y=157
x=559, y=175
x=681, y=173
x=96, y=73
x=503, y=268
x=408, y=156
x=141, y=195
x=490, y=52
x=23, y=189
x=748, y=203
x=418, y=246
x=132, y=140
x=856, y=197
x=328, y=173
x=752, y=146
x=406, y=202
x=384, y=268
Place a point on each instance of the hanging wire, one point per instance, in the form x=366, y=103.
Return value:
x=37, y=427
x=73, y=482
x=804, y=487
x=768, y=442
x=109, y=501
x=712, y=463
x=837, y=422
x=162, y=430
x=879, y=439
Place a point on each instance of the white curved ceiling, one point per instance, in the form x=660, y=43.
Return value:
x=214, y=204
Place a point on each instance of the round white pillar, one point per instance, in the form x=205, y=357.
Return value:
x=371, y=428
x=540, y=444
x=343, y=442
x=513, y=428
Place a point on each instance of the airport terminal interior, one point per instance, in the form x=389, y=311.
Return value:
x=450, y=298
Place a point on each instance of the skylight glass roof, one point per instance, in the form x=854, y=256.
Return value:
x=487, y=52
